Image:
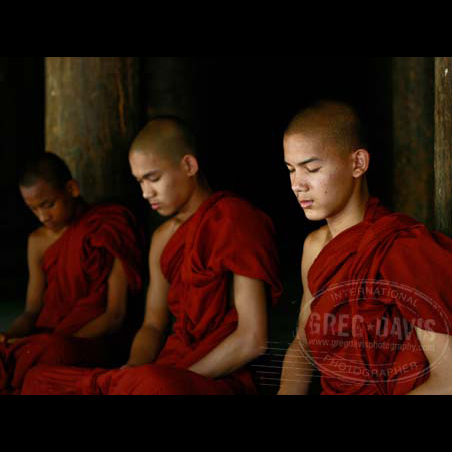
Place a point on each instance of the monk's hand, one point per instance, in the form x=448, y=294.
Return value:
x=131, y=365
x=5, y=339
x=128, y=366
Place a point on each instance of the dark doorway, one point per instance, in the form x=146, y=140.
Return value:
x=22, y=134
x=245, y=105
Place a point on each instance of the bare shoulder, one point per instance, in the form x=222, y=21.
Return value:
x=163, y=235
x=166, y=231
x=315, y=242
x=38, y=235
x=313, y=245
x=38, y=242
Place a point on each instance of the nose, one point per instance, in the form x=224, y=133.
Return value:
x=148, y=191
x=299, y=185
x=43, y=217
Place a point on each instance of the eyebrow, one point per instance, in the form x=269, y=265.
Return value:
x=42, y=204
x=306, y=162
x=147, y=175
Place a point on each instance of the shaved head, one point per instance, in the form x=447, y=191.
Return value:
x=325, y=153
x=164, y=160
x=46, y=167
x=167, y=137
x=337, y=124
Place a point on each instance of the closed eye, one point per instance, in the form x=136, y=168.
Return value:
x=153, y=177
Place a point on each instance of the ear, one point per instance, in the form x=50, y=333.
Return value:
x=190, y=165
x=73, y=188
x=361, y=163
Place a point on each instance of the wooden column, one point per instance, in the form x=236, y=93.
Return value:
x=414, y=98
x=443, y=152
x=92, y=116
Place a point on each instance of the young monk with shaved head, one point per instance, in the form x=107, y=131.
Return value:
x=85, y=274
x=376, y=315
x=213, y=267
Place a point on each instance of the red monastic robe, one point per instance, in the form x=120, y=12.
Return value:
x=372, y=286
x=226, y=236
x=77, y=269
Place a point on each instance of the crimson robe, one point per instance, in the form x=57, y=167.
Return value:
x=77, y=268
x=372, y=286
x=226, y=236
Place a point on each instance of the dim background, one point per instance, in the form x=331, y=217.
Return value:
x=240, y=107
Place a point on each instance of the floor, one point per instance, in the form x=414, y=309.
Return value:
x=12, y=299
x=9, y=310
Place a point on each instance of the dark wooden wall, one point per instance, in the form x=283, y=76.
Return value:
x=21, y=135
x=240, y=105
x=443, y=154
x=414, y=137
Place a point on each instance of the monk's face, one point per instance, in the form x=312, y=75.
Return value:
x=165, y=185
x=53, y=207
x=322, y=177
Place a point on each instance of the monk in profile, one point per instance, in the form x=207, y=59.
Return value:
x=214, y=267
x=85, y=270
x=376, y=314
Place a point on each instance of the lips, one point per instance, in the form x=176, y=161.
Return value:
x=306, y=204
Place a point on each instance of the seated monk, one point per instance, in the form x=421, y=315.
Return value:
x=85, y=276
x=377, y=307
x=212, y=265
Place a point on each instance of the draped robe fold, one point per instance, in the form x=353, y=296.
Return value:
x=372, y=286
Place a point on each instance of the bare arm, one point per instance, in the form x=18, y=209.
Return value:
x=249, y=341
x=112, y=320
x=150, y=340
x=438, y=349
x=298, y=368
x=25, y=324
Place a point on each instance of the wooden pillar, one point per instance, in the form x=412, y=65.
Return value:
x=414, y=98
x=92, y=116
x=443, y=152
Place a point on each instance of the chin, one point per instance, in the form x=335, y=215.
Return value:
x=55, y=229
x=314, y=215
x=166, y=213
